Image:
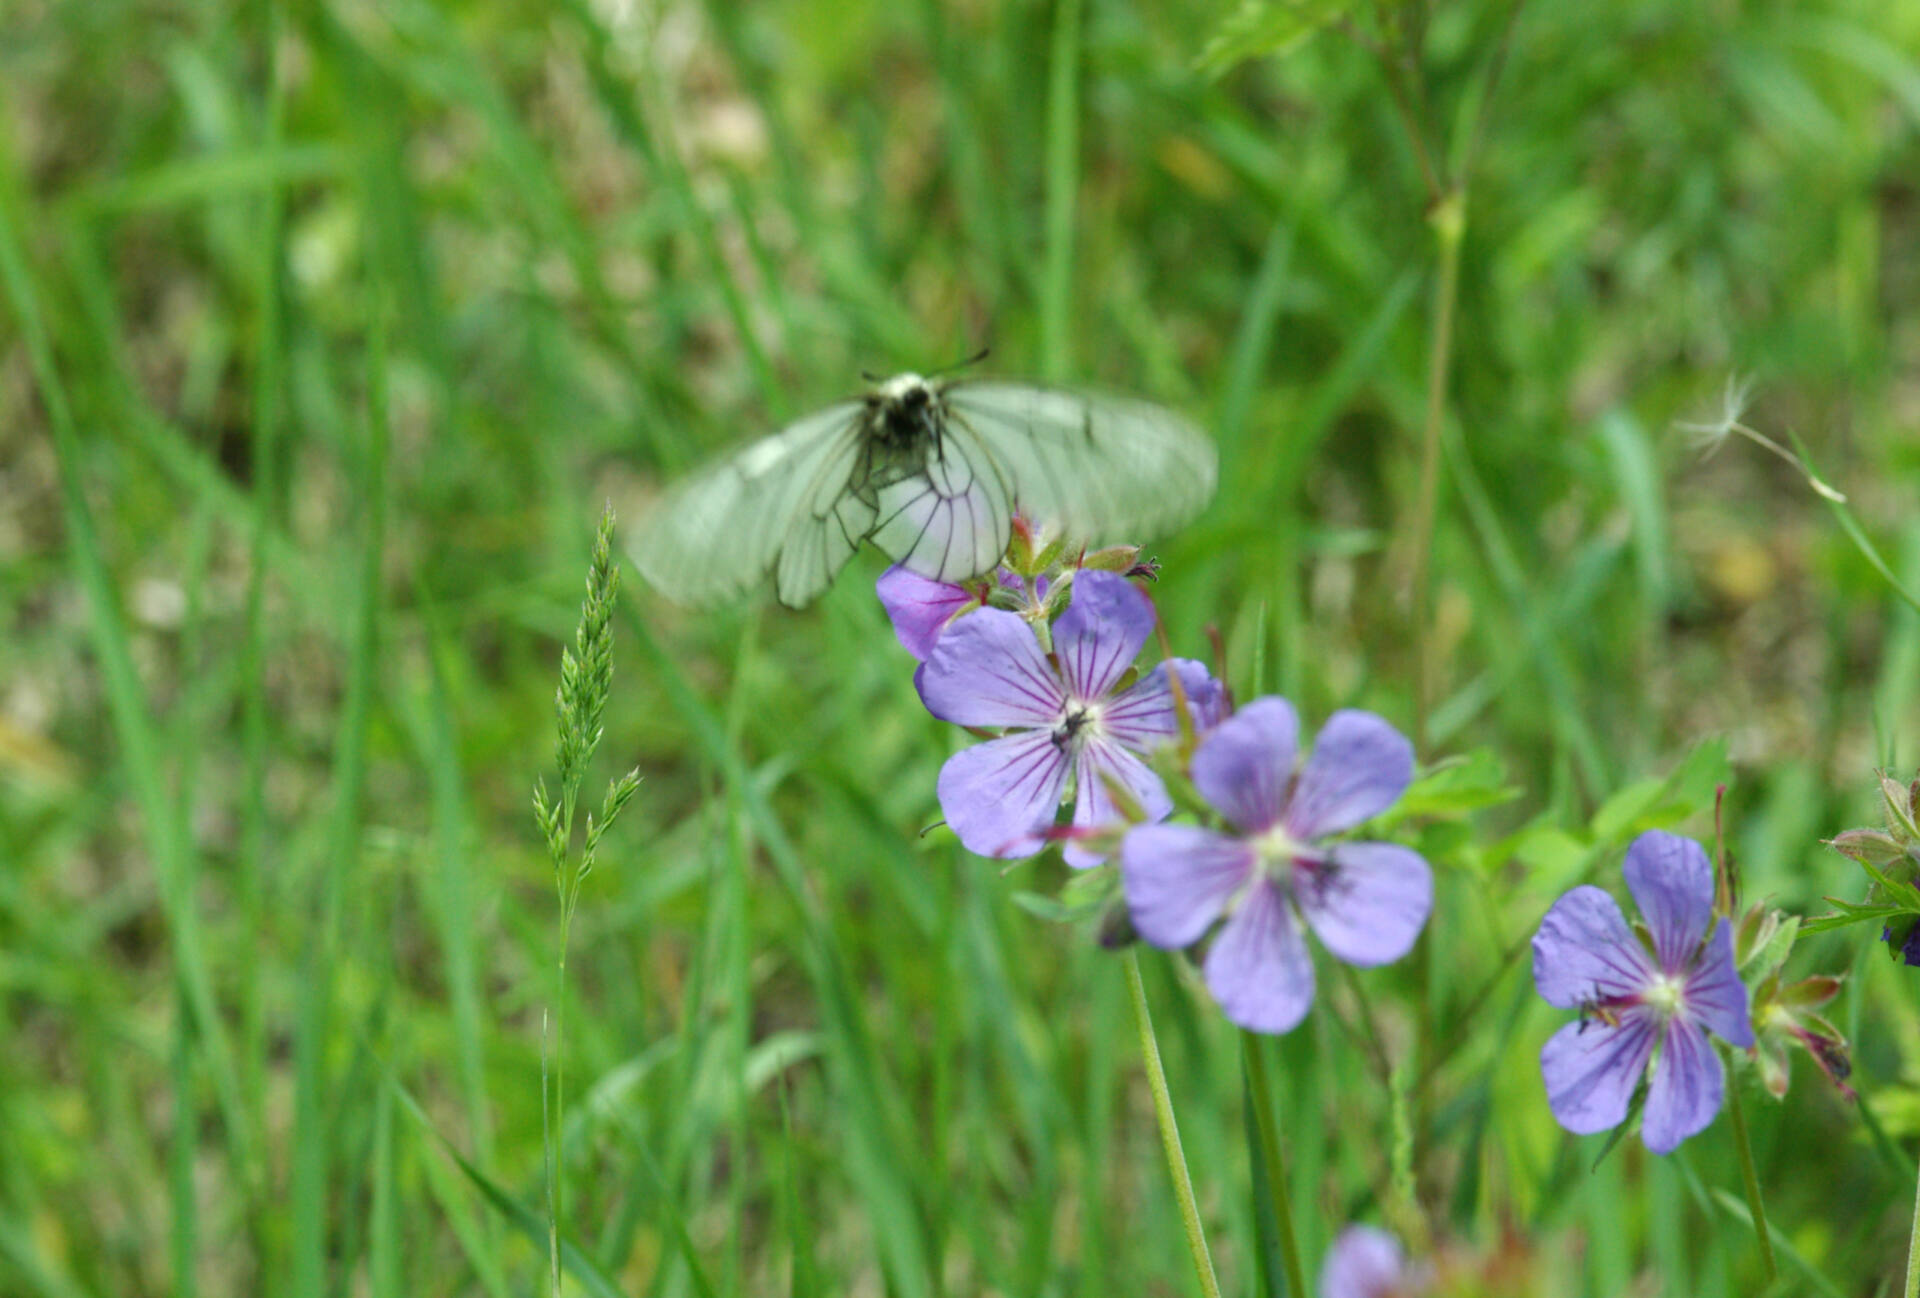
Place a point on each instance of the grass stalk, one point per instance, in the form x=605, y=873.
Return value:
x=1170, y=1132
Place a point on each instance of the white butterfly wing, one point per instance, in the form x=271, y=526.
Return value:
x=952, y=520
x=1099, y=467
x=781, y=503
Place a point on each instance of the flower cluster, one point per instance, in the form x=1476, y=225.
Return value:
x=1072, y=719
x=1038, y=660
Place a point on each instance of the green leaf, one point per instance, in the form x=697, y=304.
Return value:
x=1262, y=27
x=1451, y=789
x=1771, y=955
x=1658, y=804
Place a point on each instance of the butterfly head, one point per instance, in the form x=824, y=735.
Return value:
x=905, y=411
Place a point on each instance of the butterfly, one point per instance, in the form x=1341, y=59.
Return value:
x=931, y=471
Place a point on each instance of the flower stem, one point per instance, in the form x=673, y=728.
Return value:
x=1170, y=1131
x=1449, y=221
x=1912, y=1289
x=1754, y=1203
x=1260, y=1092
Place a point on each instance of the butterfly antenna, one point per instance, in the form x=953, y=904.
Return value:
x=974, y=359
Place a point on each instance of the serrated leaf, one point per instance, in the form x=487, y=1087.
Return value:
x=1262, y=27
x=1847, y=915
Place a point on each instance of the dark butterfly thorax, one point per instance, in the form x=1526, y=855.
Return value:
x=901, y=430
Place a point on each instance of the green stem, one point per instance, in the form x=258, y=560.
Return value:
x=556, y=1139
x=1912, y=1289
x=1261, y=1093
x=1754, y=1203
x=1170, y=1131
x=1449, y=221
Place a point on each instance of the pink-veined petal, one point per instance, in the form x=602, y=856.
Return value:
x=919, y=607
x=1672, y=881
x=1686, y=1089
x=1584, y=952
x=1101, y=759
x=1715, y=996
x=1101, y=633
x=1591, y=1068
x=1000, y=796
x=987, y=670
x=1143, y=715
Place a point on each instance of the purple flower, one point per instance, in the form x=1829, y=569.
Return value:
x=1367, y=901
x=1366, y=1262
x=1635, y=995
x=920, y=607
x=987, y=669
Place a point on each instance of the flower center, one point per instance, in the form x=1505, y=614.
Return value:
x=1071, y=729
x=1280, y=853
x=1665, y=995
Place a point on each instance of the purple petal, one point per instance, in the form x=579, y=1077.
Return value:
x=1686, y=1090
x=987, y=670
x=1360, y=766
x=1143, y=715
x=1591, y=1069
x=1258, y=968
x=1206, y=697
x=1367, y=901
x=1098, y=761
x=1242, y=768
x=1000, y=796
x=1101, y=633
x=1584, y=951
x=1365, y=1262
x=1715, y=996
x=919, y=607
x=1178, y=878
x=1672, y=881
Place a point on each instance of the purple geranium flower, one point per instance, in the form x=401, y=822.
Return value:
x=1367, y=901
x=1635, y=995
x=987, y=669
x=1366, y=1262
x=920, y=607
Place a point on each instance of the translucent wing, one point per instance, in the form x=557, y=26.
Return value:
x=780, y=505
x=950, y=520
x=1102, y=468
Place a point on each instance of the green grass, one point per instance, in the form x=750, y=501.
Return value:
x=325, y=332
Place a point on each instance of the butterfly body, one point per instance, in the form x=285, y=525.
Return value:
x=931, y=472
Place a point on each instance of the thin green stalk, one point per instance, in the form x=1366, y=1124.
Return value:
x=1449, y=221
x=1170, y=1131
x=1260, y=1091
x=263, y=452
x=1912, y=1289
x=1754, y=1203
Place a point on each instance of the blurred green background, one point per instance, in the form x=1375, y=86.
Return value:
x=328, y=329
